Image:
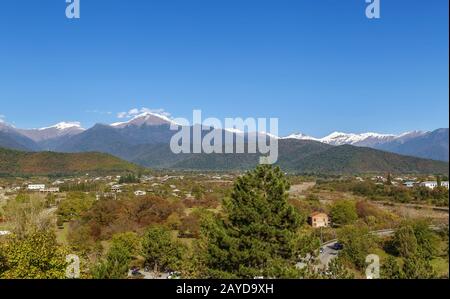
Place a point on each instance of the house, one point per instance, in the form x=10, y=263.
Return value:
x=36, y=187
x=318, y=219
x=433, y=184
x=140, y=193
x=116, y=188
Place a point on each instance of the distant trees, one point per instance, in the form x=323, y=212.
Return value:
x=74, y=205
x=419, y=194
x=129, y=178
x=343, y=212
x=81, y=187
x=26, y=215
x=108, y=217
x=258, y=236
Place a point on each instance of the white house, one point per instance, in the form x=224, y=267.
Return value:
x=433, y=184
x=140, y=193
x=36, y=187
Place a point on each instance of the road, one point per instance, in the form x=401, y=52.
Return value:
x=329, y=253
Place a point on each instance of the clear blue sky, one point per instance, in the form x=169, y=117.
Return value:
x=319, y=66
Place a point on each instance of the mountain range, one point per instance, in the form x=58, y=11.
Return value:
x=145, y=139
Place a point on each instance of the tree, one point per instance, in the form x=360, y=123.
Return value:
x=343, y=212
x=389, y=179
x=416, y=237
x=357, y=243
x=74, y=205
x=427, y=240
x=439, y=181
x=258, y=236
x=36, y=256
x=416, y=267
x=160, y=251
x=390, y=269
x=337, y=270
x=405, y=241
x=25, y=216
x=116, y=263
x=129, y=178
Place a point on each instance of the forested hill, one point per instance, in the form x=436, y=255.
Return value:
x=14, y=162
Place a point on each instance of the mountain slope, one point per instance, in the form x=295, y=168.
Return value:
x=7, y=141
x=303, y=156
x=431, y=145
x=11, y=138
x=352, y=159
x=14, y=162
x=50, y=138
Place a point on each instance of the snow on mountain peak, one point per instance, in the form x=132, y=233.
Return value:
x=149, y=118
x=300, y=136
x=64, y=126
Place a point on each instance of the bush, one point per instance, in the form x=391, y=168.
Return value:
x=343, y=212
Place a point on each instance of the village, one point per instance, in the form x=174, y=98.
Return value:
x=187, y=196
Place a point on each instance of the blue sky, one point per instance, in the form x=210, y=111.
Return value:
x=319, y=66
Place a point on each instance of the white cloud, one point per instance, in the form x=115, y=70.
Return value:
x=2, y=118
x=135, y=111
x=99, y=112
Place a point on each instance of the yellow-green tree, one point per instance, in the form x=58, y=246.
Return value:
x=36, y=256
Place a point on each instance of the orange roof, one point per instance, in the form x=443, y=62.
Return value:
x=315, y=214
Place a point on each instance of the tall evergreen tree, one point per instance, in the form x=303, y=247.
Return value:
x=259, y=236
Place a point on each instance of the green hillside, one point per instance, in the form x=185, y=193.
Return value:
x=313, y=157
x=352, y=159
x=14, y=162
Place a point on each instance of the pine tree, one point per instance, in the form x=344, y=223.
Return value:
x=389, y=179
x=259, y=236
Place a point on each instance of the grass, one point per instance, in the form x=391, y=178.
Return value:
x=61, y=234
x=440, y=265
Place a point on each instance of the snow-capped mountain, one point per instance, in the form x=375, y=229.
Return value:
x=424, y=144
x=300, y=136
x=147, y=118
x=56, y=131
x=364, y=139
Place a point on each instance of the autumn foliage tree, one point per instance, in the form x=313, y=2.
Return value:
x=36, y=256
